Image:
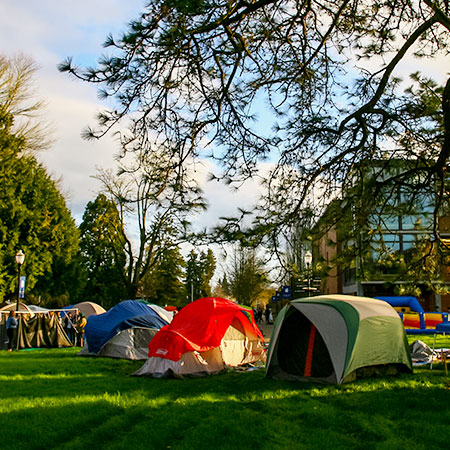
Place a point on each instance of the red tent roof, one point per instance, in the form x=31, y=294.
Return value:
x=170, y=308
x=200, y=326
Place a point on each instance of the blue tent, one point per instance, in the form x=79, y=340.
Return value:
x=127, y=314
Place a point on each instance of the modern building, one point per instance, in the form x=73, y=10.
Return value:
x=385, y=243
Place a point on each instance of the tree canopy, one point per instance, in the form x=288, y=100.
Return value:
x=33, y=213
x=311, y=86
x=154, y=200
x=246, y=276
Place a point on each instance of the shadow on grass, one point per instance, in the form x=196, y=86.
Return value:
x=52, y=399
x=261, y=419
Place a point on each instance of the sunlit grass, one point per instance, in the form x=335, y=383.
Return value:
x=55, y=399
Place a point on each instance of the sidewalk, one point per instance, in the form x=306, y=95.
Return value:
x=266, y=330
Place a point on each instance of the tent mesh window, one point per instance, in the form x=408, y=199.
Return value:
x=301, y=348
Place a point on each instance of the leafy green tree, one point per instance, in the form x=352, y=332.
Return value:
x=163, y=284
x=33, y=213
x=247, y=276
x=195, y=73
x=33, y=217
x=200, y=269
x=103, y=253
x=155, y=201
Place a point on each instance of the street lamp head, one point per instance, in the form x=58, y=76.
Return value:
x=20, y=257
x=308, y=258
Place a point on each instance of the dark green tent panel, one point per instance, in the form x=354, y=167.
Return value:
x=38, y=331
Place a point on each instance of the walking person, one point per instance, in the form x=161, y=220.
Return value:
x=11, y=327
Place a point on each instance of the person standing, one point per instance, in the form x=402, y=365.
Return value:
x=81, y=323
x=68, y=327
x=11, y=327
x=267, y=314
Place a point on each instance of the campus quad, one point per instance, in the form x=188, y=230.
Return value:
x=337, y=338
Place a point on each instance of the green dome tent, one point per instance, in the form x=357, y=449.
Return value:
x=336, y=338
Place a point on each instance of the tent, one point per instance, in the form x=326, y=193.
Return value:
x=125, y=330
x=39, y=330
x=336, y=338
x=6, y=307
x=87, y=308
x=205, y=337
x=38, y=309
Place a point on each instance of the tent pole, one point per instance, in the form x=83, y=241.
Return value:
x=19, y=330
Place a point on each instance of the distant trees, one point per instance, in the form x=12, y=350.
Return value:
x=33, y=213
x=246, y=277
x=199, y=272
x=163, y=284
x=168, y=279
x=102, y=252
x=154, y=199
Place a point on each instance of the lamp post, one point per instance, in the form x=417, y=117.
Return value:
x=20, y=257
x=308, y=261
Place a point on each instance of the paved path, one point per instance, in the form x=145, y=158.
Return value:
x=266, y=330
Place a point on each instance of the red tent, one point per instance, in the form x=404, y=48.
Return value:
x=200, y=326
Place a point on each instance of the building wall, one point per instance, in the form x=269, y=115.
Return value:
x=328, y=247
x=332, y=283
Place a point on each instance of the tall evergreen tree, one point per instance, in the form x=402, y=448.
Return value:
x=33, y=213
x=102, y=252
x=247, y=276
x=163, y=285
x=200, y=269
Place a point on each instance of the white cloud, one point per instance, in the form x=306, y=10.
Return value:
x=49, y=31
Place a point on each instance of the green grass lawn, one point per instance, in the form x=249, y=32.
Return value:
x=55, y=399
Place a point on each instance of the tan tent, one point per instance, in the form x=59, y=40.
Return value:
x=89, y=308
x=7, y=307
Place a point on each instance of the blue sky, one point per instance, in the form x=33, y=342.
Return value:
x=49, y=31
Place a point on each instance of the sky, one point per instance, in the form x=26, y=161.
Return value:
x=49, y=31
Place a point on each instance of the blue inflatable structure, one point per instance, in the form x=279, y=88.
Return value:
x=127, y=314
x=424, y=318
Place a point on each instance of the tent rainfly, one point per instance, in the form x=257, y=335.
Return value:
x=337, y=338
x=125, y=330
x=205, y=337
